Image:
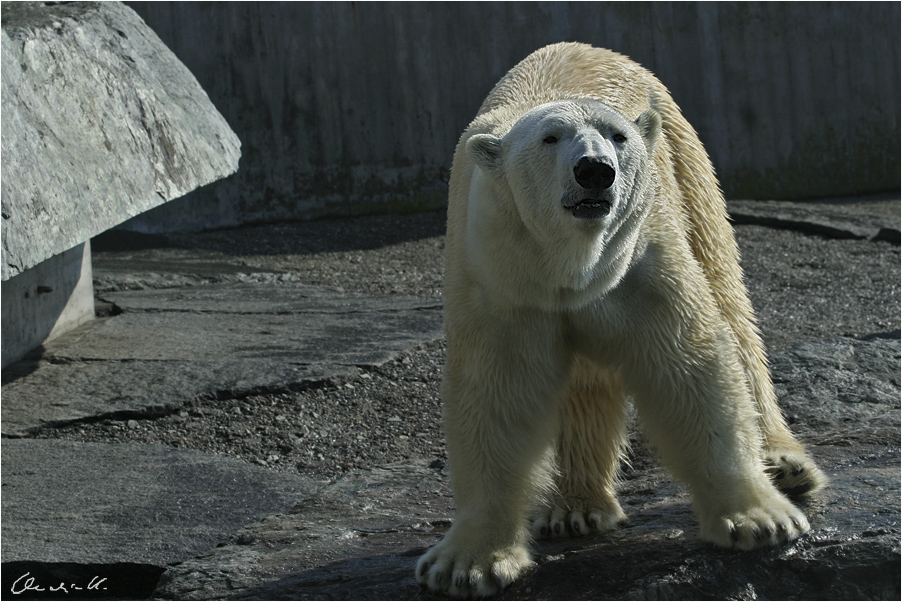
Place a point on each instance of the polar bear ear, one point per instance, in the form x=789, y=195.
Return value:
x=485, y=150
x=649, y=124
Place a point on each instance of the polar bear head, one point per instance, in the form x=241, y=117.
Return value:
x=578, y=175
x=576, y=157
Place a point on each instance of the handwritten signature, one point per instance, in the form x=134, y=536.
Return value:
x=26, y=583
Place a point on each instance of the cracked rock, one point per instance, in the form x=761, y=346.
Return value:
x=170, y=346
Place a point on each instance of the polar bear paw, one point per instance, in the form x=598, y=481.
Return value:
x=577, y=519
x=775, y=523
x=793, y=473
x=462, y=572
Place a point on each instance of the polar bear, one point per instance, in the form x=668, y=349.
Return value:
x=589, y=261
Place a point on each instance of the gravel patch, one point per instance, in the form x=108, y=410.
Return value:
x=376, y=255
x=385, y=414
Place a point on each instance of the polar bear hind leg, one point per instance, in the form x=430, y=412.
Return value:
x=789, y=467
x=590, y=447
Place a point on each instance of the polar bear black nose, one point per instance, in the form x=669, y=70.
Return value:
x=593, y=173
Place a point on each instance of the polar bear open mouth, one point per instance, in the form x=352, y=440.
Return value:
x=589, y=208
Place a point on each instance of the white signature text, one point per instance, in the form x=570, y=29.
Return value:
x=27, y=583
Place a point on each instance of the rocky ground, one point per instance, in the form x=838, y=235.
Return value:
x=377, y=417
x=362, y=447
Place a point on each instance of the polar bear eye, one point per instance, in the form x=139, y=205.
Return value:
x=550, y=140
x=619, y=138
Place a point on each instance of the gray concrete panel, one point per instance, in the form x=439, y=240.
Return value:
x=347, y=107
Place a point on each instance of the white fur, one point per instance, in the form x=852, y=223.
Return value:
x=553, y=320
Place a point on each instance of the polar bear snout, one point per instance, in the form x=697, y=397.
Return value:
x=595, y=176
x=593, y=173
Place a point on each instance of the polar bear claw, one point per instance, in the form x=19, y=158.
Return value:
x=453, y=569
x=576, y=520
x=778, y=524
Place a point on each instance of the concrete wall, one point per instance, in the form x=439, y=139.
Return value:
x=46, y=301
x=347, y=107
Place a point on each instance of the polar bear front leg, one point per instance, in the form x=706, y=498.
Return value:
x=696, y=408
x=500, y=394
x=496, y=461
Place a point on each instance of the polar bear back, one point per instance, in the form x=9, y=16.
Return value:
x=572, y=71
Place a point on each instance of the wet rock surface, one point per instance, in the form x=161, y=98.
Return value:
x=369, y=436
x=129, y=503
x=873, y=219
